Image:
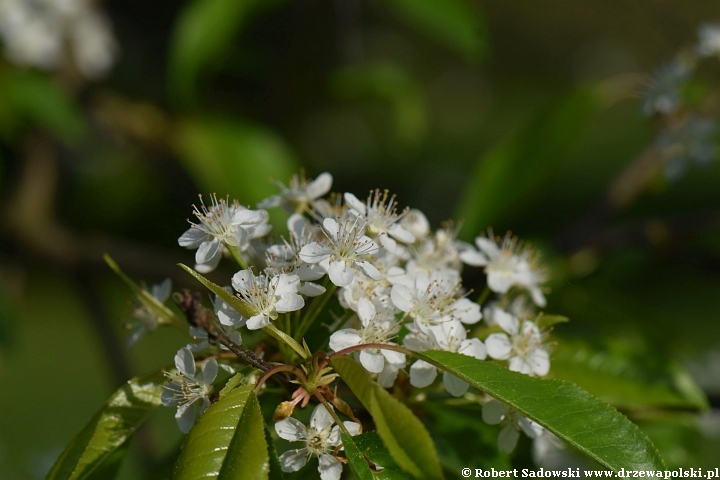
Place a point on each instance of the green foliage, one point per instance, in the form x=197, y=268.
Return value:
x=355, y=458
x=202, y=38
x=233, y=157
x=619, y=382
x=454, y=23
x=519, y=167
x=403, y=433
x=392, y=85
x=578, y=418
x=28, y=98
x=98, y=447
x=228, y=442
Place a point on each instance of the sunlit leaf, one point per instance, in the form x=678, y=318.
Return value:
x=571, y=413
x=94, y=448
x=455, y=23
x=202, y=38
x=402, y=432
x=511, y=174
x=355, y=458
x=228, y=441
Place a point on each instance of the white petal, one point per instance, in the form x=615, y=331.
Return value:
x=293, y=460
x=473, y=258
x=488, y=247
x=395, y=358
x=540, y=362
x=257, y=322
x=208, y=251
x=387, y=377
x=373, y=362
x=422, y=374
x=354, y=203
x=537, y=296
x=530, y=428
x=508, y=438
x=506, y=321
x=210, y=265
x=185, y=362
x=243, y=280
x=290, y=429
x=466, y=311
x=270, y=202
x=285, y=283
x=369, y=269
x=366, y=311
x=344, y=338
x=454, y=385
x=209, y=370
x=399, y=232
x=321, y=418
x=473, y=347
x=402, y=298
x=192, y=238
x=499, y=282
x=352, y=427
x=332, y=227
x=493, y=412
x=340, y=274
x=319, y=187
x=289, y=302
x=246, y=217
x=315, y=252
x=161, y=291
x=498, y=346
x=311, y=289
x=329, y=467
x=185, y=417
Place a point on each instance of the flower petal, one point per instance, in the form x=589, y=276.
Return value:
x=454, y=385
x=314, y=252
x=209, y=369
x=422, y=374
x=192, y=238
x=493, y=412
x=344, y=338
x=395, y=358
x=185, y=362
x=373, y=362
x=207, y=251
x=329, y=467
x=402, y=297
x=369, y=269
x=508, y=438
x=498, y=346
x=366, y=311
x=294, y=460
x=257, y=322
x=289, y=302
x=319, y=187
x=354, y=203
x=185, y=417
x=321, y=418
x=290, y=429
x=340, y=273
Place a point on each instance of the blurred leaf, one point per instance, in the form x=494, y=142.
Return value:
x=455, y=23
x=33, y=98
x=234, y=158
x=94, y=448
x=202, y=37
x=578, y=418
x=7, y=321
x=355, y=458
x=514, y=171
x=616, y=380
x=390, y=84
x=402, y=432
x=227, y=442
x=545, y=321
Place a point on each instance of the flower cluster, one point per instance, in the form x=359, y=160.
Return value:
x=395, y=288
x=35, y=33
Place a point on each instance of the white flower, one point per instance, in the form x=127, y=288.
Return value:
x=348, y=248
x=147, y=319
x=187, y=387
x=267, y=296
x=382, y=219
x=451, y=337
x=300, y=195
x=523, y=348
x=375, y=329
x=709, y=34
x=507, y=265
x=320, y=438
x=415, y=222
x=495, y=412
x=219, y=225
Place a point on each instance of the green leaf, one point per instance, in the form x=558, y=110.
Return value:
x=355, y=458
x=95, y=448
x=571, y=413
x=623, y=383
x=234, y=158
x=31, y=97
x=455, y=23
x=276, y=472
x=372, y=447
x=402, y=432
x=228, y=441
x=545, y=321
x=519, y=167
x=202, y=38
x=227, y=297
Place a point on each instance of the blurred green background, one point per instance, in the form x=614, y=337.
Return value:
x=512, y=115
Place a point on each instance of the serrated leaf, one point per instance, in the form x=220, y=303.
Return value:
x=227, y=442
x=517, y=168
x=355, y=458
x=372, y=447
x=402, y=432
x=455, y=23
x=571, y=413
x=545, y=321
x=95, y=447
x=203, y=35
x=276, y=472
